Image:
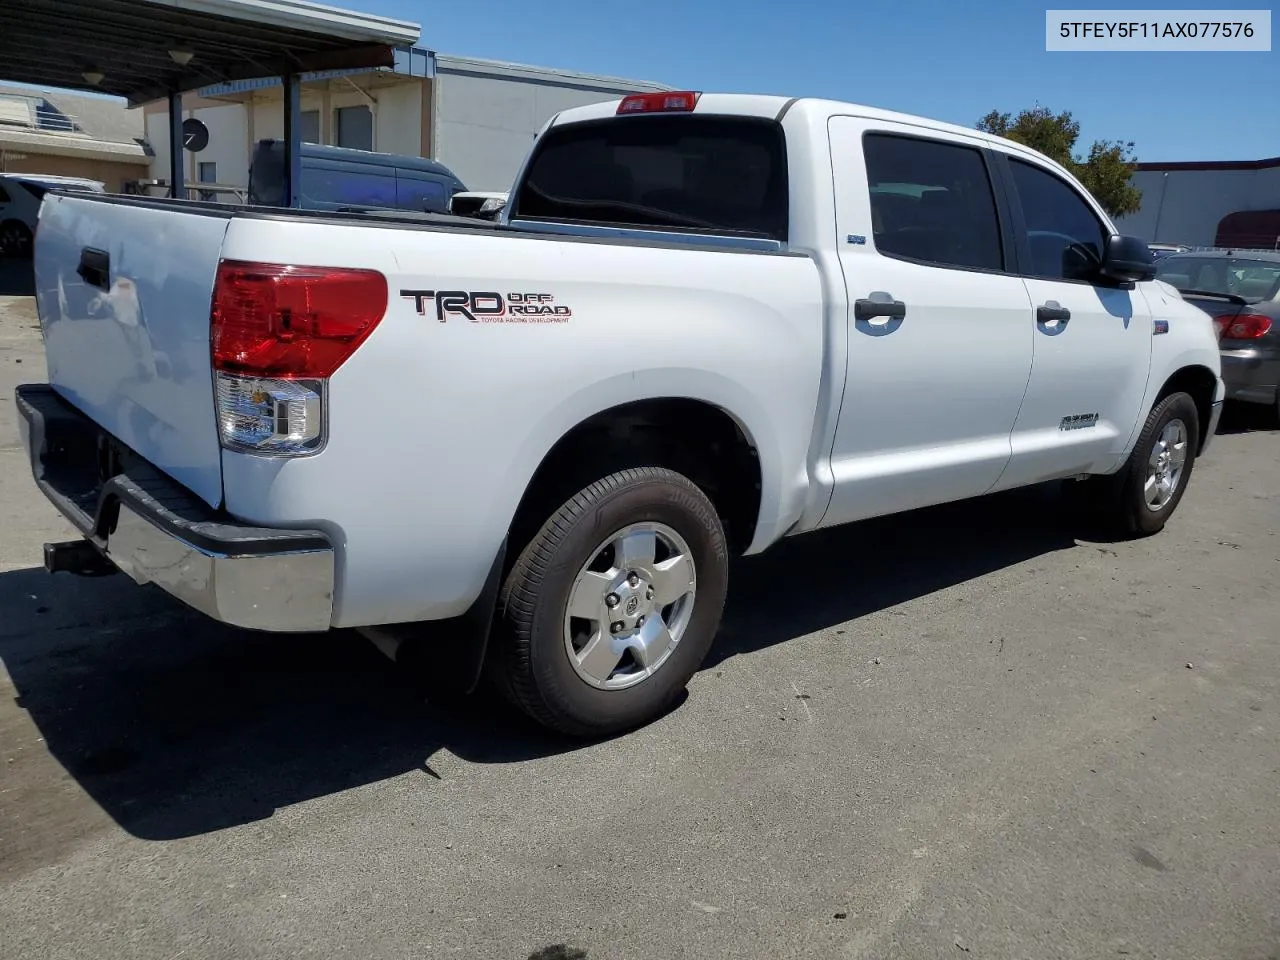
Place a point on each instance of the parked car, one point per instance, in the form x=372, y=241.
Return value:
x=1159, y=250
x=483, y=205
x=1241, y=291
x=20, y=196
x=702, y=324
x=337, y=178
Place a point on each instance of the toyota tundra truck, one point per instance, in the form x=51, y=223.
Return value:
x=701, y=324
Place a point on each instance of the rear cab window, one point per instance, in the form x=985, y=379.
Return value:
x=688, y=173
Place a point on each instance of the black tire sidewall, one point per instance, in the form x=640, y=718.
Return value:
x=671, y=500
x=1175, y=406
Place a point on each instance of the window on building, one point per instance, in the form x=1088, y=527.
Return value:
x=309, y=129
x=207, y=172
x=932, y=202
x=353, y=127
x=1065, y=236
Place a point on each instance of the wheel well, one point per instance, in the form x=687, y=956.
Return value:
x=694, y=438
x=1197, y=382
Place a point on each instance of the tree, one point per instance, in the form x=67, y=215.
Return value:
x=1105, y=172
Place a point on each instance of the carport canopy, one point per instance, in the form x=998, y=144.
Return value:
x=144, y=50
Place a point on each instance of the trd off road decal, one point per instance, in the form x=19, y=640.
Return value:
x=488, y=307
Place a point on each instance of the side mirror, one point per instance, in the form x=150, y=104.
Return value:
x=1127, y=259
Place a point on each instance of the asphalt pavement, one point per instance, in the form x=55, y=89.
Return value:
x=971, y=732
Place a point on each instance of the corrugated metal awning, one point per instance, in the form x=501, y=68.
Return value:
x=131, y=44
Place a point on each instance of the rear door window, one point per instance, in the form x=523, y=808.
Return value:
x=932, y=202
x=702, y=174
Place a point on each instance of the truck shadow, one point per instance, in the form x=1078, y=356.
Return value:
x=177, y=726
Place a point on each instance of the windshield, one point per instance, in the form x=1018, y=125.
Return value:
x=704, y=174
x=1252, y=279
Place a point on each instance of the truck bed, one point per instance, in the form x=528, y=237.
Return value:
x=437, y=423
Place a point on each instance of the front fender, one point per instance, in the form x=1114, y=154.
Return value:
x=1190, y=341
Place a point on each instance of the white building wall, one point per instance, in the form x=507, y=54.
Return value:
x=228, y=143
x=397, y=119
x=268, y=117
x=487, y=114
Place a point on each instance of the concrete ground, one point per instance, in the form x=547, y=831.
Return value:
x=963, y=733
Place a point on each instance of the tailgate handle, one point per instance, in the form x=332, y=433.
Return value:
x=95, y=268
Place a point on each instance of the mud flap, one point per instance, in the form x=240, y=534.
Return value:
x=445, y=657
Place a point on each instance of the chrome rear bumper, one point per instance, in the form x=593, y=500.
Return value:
x=154, y=531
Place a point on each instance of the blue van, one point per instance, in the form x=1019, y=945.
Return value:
x=336, y=178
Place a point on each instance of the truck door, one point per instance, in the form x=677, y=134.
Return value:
x=1092, y=352
x=939, y=330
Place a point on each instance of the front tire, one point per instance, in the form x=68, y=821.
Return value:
x=1143, y=495
x=612, y=606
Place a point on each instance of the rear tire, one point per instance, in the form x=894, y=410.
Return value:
x=1140, y=498
x=612, y=606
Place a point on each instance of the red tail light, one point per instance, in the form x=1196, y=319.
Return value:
x=681, y=102
x=1247, y=326
x=274, y=320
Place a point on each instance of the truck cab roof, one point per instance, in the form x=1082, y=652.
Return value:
x=767, y=106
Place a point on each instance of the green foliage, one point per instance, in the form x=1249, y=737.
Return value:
x=1105, y=172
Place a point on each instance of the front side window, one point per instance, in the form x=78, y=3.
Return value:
x=1065, y=236
x=932, y=202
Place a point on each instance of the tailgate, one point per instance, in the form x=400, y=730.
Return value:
x=123, y=290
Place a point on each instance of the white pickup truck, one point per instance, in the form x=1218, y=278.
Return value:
x=703, y=323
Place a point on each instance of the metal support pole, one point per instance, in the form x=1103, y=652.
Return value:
x=177, y=170
x=292, y=133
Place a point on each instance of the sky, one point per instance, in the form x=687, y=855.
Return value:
x=948, y=61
